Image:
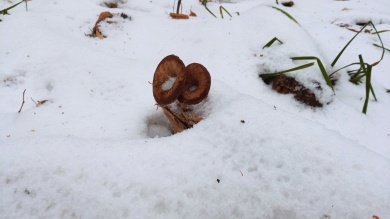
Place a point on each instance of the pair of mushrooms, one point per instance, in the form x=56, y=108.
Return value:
x=191, y=84
x=188, y=85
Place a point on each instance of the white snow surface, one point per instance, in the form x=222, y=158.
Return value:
x=100, y=148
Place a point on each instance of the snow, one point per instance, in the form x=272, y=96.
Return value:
x=100, y=148
x=168, y=83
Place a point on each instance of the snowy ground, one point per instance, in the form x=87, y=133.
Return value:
x=99, y=148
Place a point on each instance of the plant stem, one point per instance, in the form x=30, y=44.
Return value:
x=178, y=7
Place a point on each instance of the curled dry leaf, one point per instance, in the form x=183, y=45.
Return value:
x=192, y=14
x=96, y=32
x=41, y=102
x=178, y=16
x=104, y=15
x=111, y=4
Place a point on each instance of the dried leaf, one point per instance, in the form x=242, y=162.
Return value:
x=97, y=33
x=41, y=102
x=192, y=14
x=102, y=16
x=111, y=4
x=179, y=16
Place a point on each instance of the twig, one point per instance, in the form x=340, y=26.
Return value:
x=22, y=102
x=178, y=7
x=26, y=5
x=35, y=102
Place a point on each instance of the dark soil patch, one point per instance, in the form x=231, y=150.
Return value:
x=288, y=85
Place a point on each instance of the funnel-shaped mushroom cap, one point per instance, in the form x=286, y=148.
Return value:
x=169, y=80
x=198, y=82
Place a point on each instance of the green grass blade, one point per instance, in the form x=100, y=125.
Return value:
x=382, y=46
x=350, y=41
x=374, y=44
x=205, y=5
x=285, y=13
x=381, y=31
x=368, y=86
x=325, y=74
x=345, y=47
x=223, y=8
x=373, y=93
x=5, y=11
x=356, y=63
x=367, y=70
x=266, y=76
x=269, y=44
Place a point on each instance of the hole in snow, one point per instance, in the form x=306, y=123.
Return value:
x=157, y=125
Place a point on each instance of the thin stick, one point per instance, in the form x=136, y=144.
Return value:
x=178, y=7
x=22, y=102
x=36, y=104
x=26, y=5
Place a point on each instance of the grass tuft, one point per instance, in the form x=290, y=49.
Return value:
x=272, y=41
x=381, y=31
x=374, y=44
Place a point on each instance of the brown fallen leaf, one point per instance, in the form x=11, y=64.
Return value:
x=111, y=4
x=97, y=33
x=103, y=15
x=178, y=16
x=192, y=14
x=41, y=102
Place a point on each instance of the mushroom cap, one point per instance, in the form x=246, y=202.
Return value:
x=171, y=67
x=198, y=82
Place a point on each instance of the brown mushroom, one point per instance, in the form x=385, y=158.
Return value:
x=198, y=82
x=169, y=80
